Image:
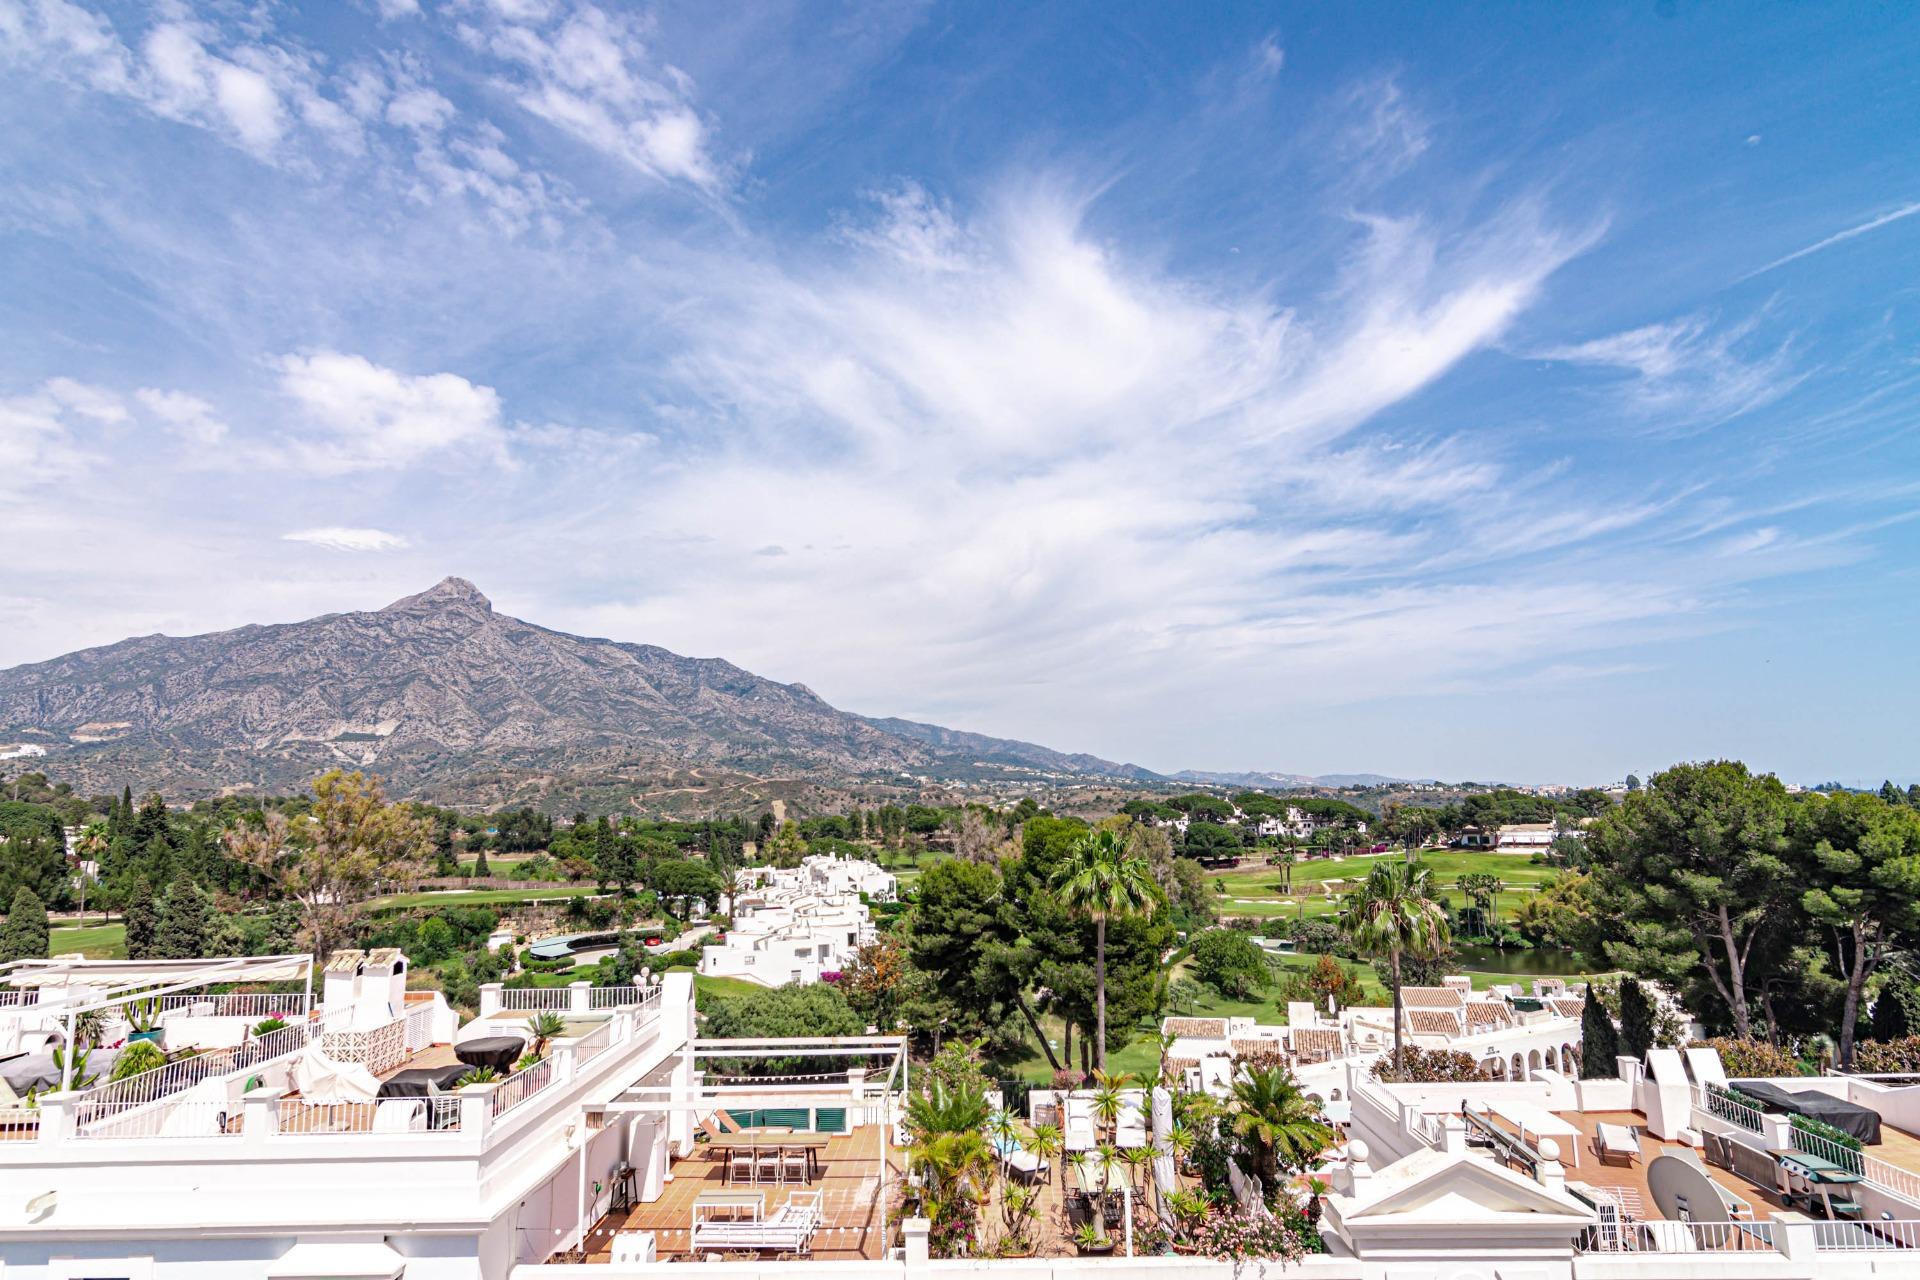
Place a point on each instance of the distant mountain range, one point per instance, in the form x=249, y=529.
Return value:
x=1285, y=781
x=438, y=687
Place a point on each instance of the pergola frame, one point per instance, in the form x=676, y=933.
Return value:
x=669, y=1098
x=148, y=980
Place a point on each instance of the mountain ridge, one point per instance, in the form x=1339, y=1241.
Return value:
x=437, y=685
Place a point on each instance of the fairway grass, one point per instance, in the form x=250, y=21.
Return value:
x=95, y=942
x=478, y=897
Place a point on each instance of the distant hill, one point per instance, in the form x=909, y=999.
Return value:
x=438, y=687
x=1286, y=781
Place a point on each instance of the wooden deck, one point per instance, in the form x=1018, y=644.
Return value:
x=849, y=1181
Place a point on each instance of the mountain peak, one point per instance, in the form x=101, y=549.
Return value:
x=444, y=594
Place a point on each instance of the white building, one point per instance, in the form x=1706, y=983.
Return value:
x=793, y=925
x=321, y=1150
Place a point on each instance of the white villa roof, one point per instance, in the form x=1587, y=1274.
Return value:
x=1437, y=1188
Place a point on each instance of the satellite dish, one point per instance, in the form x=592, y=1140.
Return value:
x=1684, y=1192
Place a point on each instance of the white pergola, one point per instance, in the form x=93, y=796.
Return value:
x=747, y=1093
x=114, y=984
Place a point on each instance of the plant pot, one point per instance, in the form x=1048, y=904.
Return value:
x=1095, y=1250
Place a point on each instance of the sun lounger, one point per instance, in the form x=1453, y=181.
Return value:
x=1615, y=1142
x=1028, y=1165
x=1080, y=1134
x=1130, y=1128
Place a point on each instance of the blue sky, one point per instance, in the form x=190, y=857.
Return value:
x=1522, y=392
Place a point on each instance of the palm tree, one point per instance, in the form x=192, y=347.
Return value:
x=1277, y=1123
x=1393, y=914
x=1101, y=878
x=544, y=1028
x=1106, y=1099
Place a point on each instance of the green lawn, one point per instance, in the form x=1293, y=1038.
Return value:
x=704, y=985
x=1256, y=891
x=96, y=942
x=473, y=897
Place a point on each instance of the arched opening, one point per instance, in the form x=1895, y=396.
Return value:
x=1519, y=1067
x=1553, y=1063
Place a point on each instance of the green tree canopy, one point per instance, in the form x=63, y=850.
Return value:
x=24, y=936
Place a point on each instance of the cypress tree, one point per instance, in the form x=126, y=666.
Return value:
x=181, y=933
x=480, y=867
x=1598, y=1044
x=25, y=934
x=1636, y=1020
x=142, y=920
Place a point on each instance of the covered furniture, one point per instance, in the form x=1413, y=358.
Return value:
x=1862, y=1122
x=321, y=1079
x=422, y=1082
x=498, y=1052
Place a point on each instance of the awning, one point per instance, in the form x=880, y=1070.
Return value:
x=338, y=1260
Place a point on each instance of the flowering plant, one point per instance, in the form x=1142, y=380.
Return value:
x=1235, y=1235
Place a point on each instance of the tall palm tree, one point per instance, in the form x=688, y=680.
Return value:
x=1393, y=914
x=1100, y=877
x=1277, y=1123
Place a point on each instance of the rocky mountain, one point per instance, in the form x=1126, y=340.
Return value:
x=438, y=687
x=1261, y=781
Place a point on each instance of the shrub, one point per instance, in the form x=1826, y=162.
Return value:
x=1887, y=1057
x=1229, y=962
x=1431, y=1066
x=1751, y=1059
x=1235, y=1235
x=1821, y=1129
x=266, y=1025
x=139, y=1056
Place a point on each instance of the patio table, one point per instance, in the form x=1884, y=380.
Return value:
x=498, y=1052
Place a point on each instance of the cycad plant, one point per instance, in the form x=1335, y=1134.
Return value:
x=544, y=1028
x=1393, y=914
x=1278, y=1126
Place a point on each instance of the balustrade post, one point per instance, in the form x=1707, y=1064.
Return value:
x=476, y=1110
x=490, y=998
x=563, y=1063
x=580, y=997
x=260, y=1115
x=56, y=1115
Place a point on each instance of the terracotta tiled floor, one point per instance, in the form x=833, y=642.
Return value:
x=1596, y=1173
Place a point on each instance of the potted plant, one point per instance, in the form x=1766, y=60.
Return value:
x=1092, y=1241
x=143, y=1021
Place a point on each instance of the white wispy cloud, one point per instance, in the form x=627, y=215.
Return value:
x=1688, y=372
x=589, y=73
x=335, y=538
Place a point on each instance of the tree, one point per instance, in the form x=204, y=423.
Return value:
x=1892, y=1017
x=182, y=930
x=1392, y=913
x=1892, y=794
x=787, y=847
x=141, y=919
x=1862, y=856
x=876, y=981
x=1693, y=873
x=1101, y=879
x=334, y=859
x=1229, y=962
x=1599, y=1048
x=1636, y=1020
x=25, y=934
x=1280, y=1128
x=1633, y=782
x=480, y=868
x=679, y=880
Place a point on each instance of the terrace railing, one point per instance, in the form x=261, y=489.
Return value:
x=379, y=1116
x=620, y=997
x=521, y=1085
x=1864, y=1237
x=1875, y=1171
x=536, y=999
x=98, y=1111
x=1697, y=1237
x=1723, y=1106
x=237, y=1004
x=593, y=1044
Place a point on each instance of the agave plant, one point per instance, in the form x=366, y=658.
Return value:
x=1045, y=1142
x=481, y=1075
x=1107, y=1103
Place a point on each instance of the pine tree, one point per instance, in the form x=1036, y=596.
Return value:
x=1636, y=1020
x=182, y=930
x=1892, y=794
x=142, y=920
x=283, y=929
x=1598, y=1044
x=25, y=935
